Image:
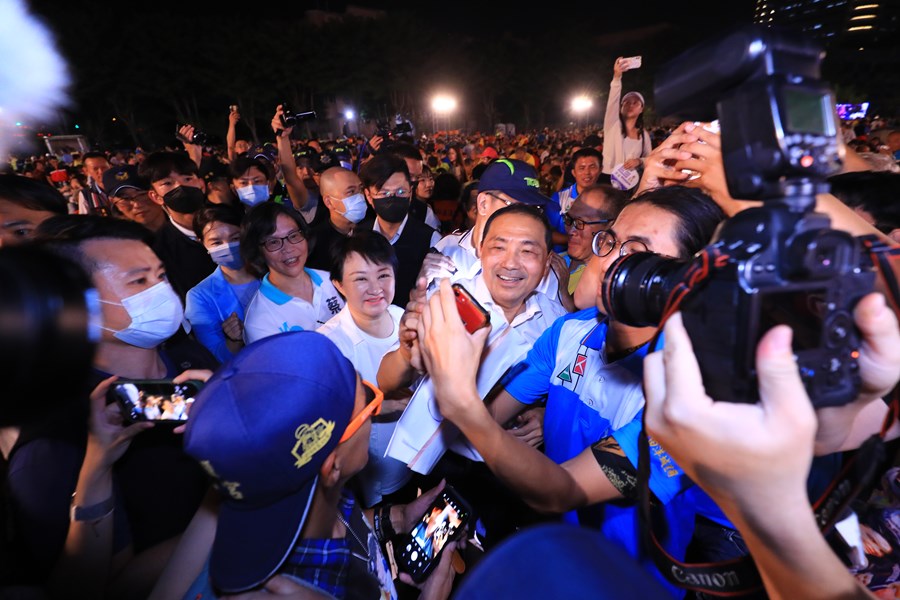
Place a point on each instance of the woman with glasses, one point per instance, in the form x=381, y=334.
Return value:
x=368, y=327
x=291, y=297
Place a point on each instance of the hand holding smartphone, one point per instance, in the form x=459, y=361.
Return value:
x=154, y=400
x=445, y=520
x=632, y=62
x=473, y=315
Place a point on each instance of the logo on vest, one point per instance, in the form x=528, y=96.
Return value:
x=311, y=439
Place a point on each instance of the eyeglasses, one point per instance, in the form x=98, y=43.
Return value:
x=500, y=198
x=401, y=193
x=580, y=223
x=374, y=400
x=605, y=242
x=274, y=244
x=134, y=197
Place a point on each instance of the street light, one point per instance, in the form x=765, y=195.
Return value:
x=348, y=114
x=442, y=104
x=581, y=105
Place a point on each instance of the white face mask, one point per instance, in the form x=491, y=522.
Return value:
x=156, y=314
x=355, y=208
x=252, y=195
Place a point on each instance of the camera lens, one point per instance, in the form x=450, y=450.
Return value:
x=636, y=287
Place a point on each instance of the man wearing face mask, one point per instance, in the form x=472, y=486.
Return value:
x=342, y=194
x=175, y=184
x=388, y=189
x=139, y=312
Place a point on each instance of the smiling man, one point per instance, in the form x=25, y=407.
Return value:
x=593, y=211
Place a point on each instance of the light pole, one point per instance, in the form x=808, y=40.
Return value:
x=441, y=104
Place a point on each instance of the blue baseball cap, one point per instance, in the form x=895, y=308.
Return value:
x=514, y=178
x=559, y=561
x=262, y=427
x=117, y=179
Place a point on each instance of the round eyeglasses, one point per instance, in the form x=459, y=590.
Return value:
x=605, y=242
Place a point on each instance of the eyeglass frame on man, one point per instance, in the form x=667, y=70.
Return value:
x=372, y=408
x=569, y=221
x=280, y=240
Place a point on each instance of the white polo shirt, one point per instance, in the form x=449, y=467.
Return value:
x=273, y=311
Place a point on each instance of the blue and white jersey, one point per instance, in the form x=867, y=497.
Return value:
x=587, y=398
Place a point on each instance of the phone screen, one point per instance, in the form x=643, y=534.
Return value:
x=154, y=400
x=437, y=526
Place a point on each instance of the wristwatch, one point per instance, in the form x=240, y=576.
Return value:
x=94, y=512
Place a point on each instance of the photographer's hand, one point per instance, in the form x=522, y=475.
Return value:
x=195, y=151
x=846, y=427
x=752, y=459
x=278, y=127
x=706, y=160
x=658, y=169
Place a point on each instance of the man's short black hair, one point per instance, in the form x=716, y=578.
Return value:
x=379, y=169
x=697, y=213
x=528, y=211
x=32, y=194
x=160, y=165
x=88, y=155
x=65, y=234
x=371, y=245
x=875, y=192
x=585, y=153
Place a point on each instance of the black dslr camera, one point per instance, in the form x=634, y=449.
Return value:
x=401, y=127
x=777, y=264
x=290, y=118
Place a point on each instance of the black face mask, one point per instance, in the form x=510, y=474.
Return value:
x=185, y=199
x=392, y=209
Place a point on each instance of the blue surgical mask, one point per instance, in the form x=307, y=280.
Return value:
x=156, y=314
x=252, y=195
x=228, y=256
x=355, y=208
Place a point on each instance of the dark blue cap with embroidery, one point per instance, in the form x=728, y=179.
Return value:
x=514, y=178
x=262, y=427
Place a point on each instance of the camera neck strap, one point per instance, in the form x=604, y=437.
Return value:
x=740, y=576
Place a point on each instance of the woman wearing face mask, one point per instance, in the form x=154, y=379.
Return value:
x=291, y=297
x=367, y=328
x=388, y=189
x=216, y=306
x=252, y=180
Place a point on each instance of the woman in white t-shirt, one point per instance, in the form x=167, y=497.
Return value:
x=368, y=327
x=625, y=141
x=275, y=243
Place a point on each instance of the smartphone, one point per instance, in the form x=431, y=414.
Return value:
x=473, y=315
x=446, y=520
x=154, y=399
x=632, y=62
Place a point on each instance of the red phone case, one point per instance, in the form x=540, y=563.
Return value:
x=473, y=315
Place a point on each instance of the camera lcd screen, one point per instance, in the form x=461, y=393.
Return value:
x=803, y=311
x=437, y=526
x=160, y=401
x=808, y=111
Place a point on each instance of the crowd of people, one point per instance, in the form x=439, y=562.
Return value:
x=313, y=286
